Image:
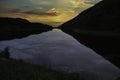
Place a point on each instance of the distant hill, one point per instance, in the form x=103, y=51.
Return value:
x=104, y=16
x=98, y=28
x=17, y=28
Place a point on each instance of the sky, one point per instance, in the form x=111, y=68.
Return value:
x=52, y=12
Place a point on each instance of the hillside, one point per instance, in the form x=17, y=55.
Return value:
x=98, y=28
x=11, y=69
x=11, y=28
x=16, y=70
x=104, y=16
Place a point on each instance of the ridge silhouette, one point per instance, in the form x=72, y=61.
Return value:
x=11, y=28
x=98, y=28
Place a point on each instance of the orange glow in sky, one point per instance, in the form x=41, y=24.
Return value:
x=52, y=12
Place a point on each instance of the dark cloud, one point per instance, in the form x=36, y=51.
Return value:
x=42, y=14
x=27, y=10
x=15, y=10
x=33, y=11
x=4, y=9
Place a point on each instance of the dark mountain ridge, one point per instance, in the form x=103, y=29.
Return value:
x=98, y=28
x=103, y=16
x=11, y=28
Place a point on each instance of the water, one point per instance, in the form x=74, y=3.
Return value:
x=60, y=51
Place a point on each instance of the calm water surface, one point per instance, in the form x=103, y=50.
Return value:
x=60, y=51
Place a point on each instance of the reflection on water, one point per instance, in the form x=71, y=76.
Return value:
x=57, y=30
x=60, y=51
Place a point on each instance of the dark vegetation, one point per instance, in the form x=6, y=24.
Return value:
x=11, y=69
x=11, y=28
x=5, y=54
x=98, y=28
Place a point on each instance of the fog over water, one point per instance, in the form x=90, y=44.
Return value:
x=60, y=51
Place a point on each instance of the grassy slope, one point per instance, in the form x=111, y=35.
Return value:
x=16, y=70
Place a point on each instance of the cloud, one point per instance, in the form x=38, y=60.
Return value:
x=36, y=11
x=92, y=1
x=15, y=10
x=42, y=14
x=44, y=10
x=4, y=9
x=43, y=6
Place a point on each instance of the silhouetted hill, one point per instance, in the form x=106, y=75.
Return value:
x=103, y=16
x=98, y=28
x=17, y=28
